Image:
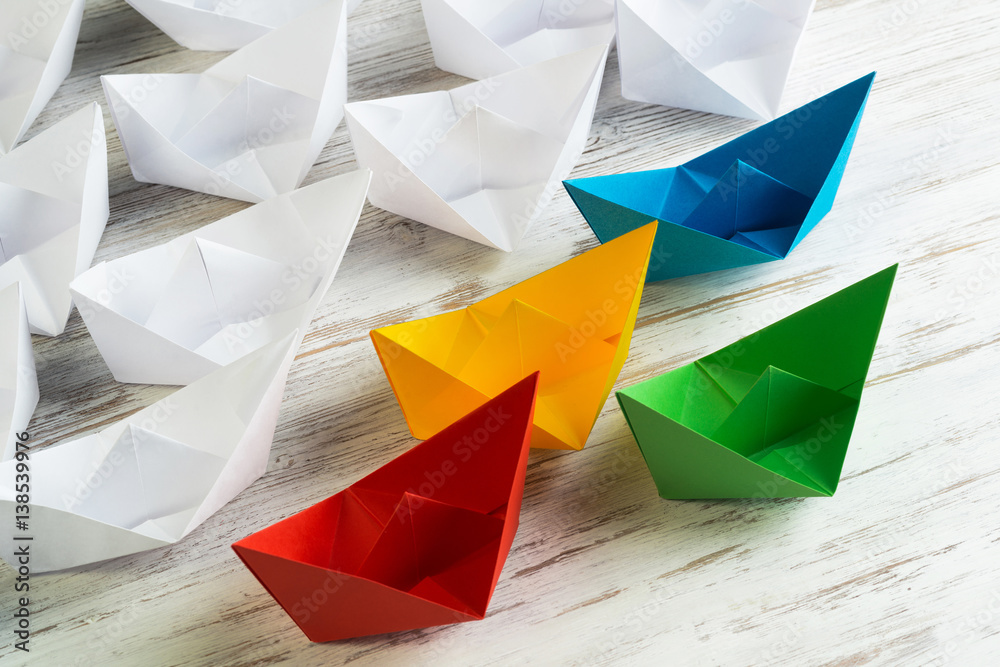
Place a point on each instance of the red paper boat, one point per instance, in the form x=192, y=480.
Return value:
x=419, y=542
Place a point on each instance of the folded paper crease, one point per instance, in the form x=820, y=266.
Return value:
x=751, y=200
x=770, y=415
x=251, y=126
x=483, y=160
x=419, y=542
x=150, y=479
x=573, y=323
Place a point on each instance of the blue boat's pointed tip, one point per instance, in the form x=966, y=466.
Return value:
x=861, y=85
x=853, y=94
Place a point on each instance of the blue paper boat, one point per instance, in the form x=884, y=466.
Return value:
x=749, y=201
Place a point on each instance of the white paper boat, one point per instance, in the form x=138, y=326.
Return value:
x=223, y=25
x=249, y=127
x=174, y=313
x=53, y=209
x=36, y=54
x=728, y=57
x=482, y=160
x=482, y=39
x=18, y=383
x=150, y=479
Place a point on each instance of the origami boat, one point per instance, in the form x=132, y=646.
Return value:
x=769, y=416
x=251, y=126
x=722, y=56
x=178, y=311
x=573, y=323
x=53, y=209
x=419, y=542
x=483, y=160
x=150, y=479
x=749, y=201
x=482, y=39
x=35, y=57
x=18, y=383
x=223, y=25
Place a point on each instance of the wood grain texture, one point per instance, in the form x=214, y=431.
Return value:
x=900, y=568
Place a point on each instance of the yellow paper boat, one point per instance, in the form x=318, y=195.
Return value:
x=573, y=323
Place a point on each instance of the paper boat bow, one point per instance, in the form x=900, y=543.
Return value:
x=722, y=56
x=769, y=416
x=749, y=201
x=249, y=127
x=480, y=161
x=18, y=383
x=53, y=209
x=482, y=39
x=35, y=57
x=419, y=542
x=223, y=25
x=152, y=478
x=573, y=323
x=174, y=313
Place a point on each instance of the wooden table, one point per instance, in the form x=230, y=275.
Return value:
x=900, y=568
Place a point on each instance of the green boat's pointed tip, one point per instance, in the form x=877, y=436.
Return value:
x=885, y=278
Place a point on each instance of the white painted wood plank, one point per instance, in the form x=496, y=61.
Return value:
x=899, y=568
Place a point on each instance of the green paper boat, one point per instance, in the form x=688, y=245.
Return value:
x=769, y=416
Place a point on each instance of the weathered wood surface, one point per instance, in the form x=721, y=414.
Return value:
x=900, y=568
